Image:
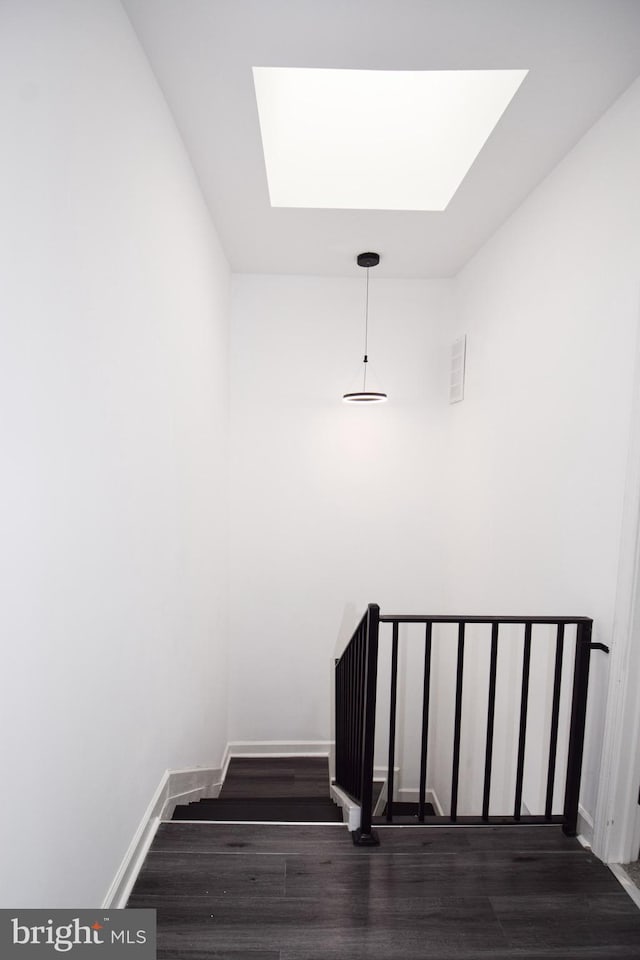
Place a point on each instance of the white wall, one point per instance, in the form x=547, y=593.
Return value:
x=538, y=448
x=113, y=399
x=509, y=502
x=333, y=506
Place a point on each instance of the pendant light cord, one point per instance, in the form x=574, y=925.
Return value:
x=366, y=260
x=366, y=332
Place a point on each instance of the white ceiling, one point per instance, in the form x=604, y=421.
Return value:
x=581, y=55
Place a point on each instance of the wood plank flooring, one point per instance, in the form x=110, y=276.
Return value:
x=304, y=892
x=276, y=777
x=272, y=892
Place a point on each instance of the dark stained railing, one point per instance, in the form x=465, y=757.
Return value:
x=356, y=679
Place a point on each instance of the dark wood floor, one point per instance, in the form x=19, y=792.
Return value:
x=276, y=777
x=273, y=892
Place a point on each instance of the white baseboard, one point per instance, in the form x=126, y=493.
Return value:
x=174, y=785
x=380, y=773
x=186, y=786
x=585, y=827
x=380, y=776
x=273, y=748
x=128, y=870
x=402, y=794
x=276, y=748
x=350, y=809
x=381, y=802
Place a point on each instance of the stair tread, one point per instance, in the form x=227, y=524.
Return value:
x=409, y=809
x=327, y=812
x=263, y=806
x=273, y=801
x=405, y=814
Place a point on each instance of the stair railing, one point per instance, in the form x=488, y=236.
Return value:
x=356, y=682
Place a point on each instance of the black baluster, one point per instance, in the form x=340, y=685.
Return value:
x=457, y=725
x=425, y=721
x=392, y=721
x=555, y=714
x=576, y=730
x=365, y=836
x=491, y=708
x=524, y=700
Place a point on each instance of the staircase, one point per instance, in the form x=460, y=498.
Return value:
x=270, y=790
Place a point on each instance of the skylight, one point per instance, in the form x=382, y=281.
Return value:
x=375, y=139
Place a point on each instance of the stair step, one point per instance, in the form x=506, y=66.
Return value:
x=405, y=813
x=268, y=801
x=284, y=810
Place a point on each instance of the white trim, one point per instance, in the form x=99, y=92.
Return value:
x=277, y=748
x=189, y=796
x=585, y=827
x=617, y=820
x=350, y=809
x=189, y=785
x=380, y=776
x=437, y=806
x=381, y=802
x=118, y=892
x=180, y=774
x=226, y=760
x=405, y=794
x=625, y=882
x=380, y=773
x=192, y=782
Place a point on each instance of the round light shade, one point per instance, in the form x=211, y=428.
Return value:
x=364, y=396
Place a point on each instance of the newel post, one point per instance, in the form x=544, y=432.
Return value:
x=576, y=730
x=365, y=836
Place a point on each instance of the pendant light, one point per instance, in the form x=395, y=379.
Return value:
x=366, y=260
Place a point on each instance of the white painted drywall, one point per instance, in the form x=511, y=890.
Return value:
x=537, y=450
x=509, y=502
x=333, y=505
x=113, y=387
